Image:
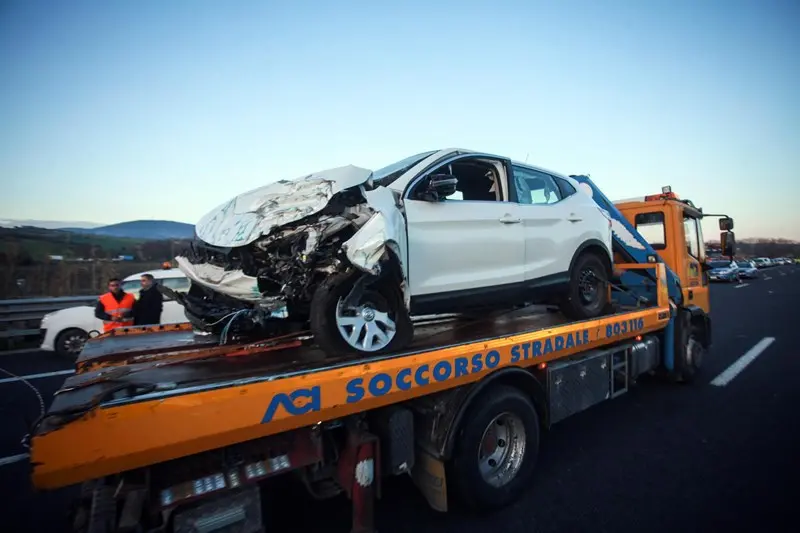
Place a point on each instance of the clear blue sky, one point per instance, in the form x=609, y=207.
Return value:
x=113, y=111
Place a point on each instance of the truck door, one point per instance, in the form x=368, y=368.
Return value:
x=695, y=284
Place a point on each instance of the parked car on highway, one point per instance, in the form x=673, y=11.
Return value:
x=65, y=331
x=356, y=253
x=723, y=271
x=747, y=269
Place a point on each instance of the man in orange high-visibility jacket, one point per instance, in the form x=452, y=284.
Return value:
x=115, y=308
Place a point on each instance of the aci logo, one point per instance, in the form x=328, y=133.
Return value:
x=299, y=402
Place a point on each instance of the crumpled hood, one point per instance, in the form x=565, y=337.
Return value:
x=250, y=215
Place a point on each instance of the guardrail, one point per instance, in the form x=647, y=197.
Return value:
x=21, y=318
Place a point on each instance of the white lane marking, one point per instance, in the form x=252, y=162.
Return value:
x=11, y=459
x=767, y=277
x=742, y=285
x=18, y=352
x=783, y=273
x=740, y=364
x=37, y=376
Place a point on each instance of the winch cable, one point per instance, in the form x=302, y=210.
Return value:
x=26, y=438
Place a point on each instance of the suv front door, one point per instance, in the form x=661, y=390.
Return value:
x=471, y=242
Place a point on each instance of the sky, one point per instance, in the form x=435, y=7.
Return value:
x=115, y=111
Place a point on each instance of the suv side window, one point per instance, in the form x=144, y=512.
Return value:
x=565, y=187
x=478, y=180
x=534, y=187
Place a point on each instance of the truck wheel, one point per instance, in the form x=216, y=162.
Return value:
x=691, y=355
x=495, y=449
x=587, y=294
x=69, y=342
x=377, y=322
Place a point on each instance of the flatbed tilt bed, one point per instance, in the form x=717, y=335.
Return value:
x=235, y=396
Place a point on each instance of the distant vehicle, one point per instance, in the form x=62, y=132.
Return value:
x=65, y=331
x=747, y=269
x=762, y=262
x=723, y=271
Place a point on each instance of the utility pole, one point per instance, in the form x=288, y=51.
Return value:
x=94, y=268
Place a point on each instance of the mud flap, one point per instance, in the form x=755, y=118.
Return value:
x=428, y=475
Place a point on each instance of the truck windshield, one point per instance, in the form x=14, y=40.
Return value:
x=386, y=175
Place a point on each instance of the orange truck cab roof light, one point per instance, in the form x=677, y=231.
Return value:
x=661, y=196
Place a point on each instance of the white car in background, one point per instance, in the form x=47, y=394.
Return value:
x=66, y=330
x=356, y=253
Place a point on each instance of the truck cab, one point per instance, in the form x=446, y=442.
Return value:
x=674, y=229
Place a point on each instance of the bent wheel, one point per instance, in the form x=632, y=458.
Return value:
x=373, y=320
x=496, y=449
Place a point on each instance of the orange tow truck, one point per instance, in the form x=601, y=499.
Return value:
x=171, y=431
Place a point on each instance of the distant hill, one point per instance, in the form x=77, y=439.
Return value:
x=48, y=224
x=141, y=229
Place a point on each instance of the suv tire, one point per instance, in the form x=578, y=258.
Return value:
x=587, y=295
x=380, y=306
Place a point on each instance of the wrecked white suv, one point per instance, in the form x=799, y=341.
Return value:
x=355, y=253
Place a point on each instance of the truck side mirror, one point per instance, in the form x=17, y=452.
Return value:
x=726, y=224
x=728, y=243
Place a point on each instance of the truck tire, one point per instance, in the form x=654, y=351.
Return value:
x=69, y=342
x=587, y=294
x=689, y=351
x=495, y=449
x=380, y=314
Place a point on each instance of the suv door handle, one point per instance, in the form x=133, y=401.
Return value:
x=574, y=218
x=508, y=220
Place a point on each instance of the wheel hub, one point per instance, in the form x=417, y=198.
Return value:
x=694, y=353
x=588, y=285
x=364, y=326
x=502, y=450
x=74, y=343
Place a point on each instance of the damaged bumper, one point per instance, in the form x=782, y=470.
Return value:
x=233, y=283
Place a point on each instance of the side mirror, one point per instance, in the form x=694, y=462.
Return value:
x=440, y=186
x=726, y=224
x=727, y=243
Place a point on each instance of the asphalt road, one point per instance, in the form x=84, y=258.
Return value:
x=660, y=458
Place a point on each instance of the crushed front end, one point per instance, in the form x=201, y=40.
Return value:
x=257, y=289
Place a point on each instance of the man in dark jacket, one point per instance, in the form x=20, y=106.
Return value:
x=147, y=309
